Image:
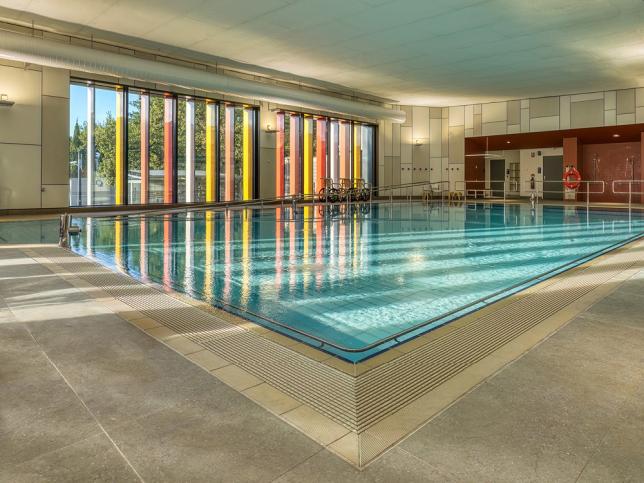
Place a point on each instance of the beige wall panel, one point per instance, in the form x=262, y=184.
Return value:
x=435, y=169
x=444, y=138
x=625, y=119
x=457, y=116
x=544, y=124
x=55, y=140
x=420, y=171
x=591, y=96
x=610, y=100
x=525, y=120
x=639, y=115
x=435, y=141
x=587, y=113
x=610, y=117
x=469, y=133
x=544, y=107
x=19, y=176
x=435, y=112
x=477, y=109
x=525, y=103
x=514, y=112
x=21, y=122
x=267, y=171
x=445, y=113
x=477, y=125
x=564, y=112
x=387, y=136
x=381, y=144
x=406, y=173
x=386, y=179
x=420, y=129
x=514, y=129
x=456, y=175
x=639, y=97
x=55, y=196
x=494, y=128
x=55, y=82
x=469, y=117
x=409, y=112
x=456, y=144
x=395, y=170
x=625, y=101
x=395, y=139
x=494, y=112
x=406, y=145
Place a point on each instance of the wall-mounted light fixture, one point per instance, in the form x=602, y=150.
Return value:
x=5, y=102
x=419, y=142
x=269, y=129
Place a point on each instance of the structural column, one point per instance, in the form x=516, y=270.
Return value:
x=229, y=155
x=279, y=156
x=169, y=175
x=190, y=150
x=247, y=161
x=91, y=150
x=211, y=152
x=307, y=160
x=295, y=156
x=120, y=170
x=145, y=148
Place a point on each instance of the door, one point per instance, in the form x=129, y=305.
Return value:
x=497, y=176
x=552, y=176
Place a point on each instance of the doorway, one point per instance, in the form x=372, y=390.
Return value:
x=552, y=176
x=497, y=176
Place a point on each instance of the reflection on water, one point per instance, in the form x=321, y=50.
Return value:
x=350, y=275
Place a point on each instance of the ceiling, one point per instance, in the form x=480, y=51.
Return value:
x=423, y=52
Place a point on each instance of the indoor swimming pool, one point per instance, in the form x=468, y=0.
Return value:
x=355, y=280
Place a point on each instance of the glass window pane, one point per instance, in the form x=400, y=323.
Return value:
x=239, y=151
x=181, y=149
x=77, y=144
x=200, y=151
x=156, y=148
x=134, y=147
x=105, y=146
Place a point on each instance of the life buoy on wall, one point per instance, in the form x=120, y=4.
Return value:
x=572, y=178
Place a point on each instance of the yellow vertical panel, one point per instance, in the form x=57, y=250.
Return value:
x=247, y=166
x=307, y=171
x=357, y=153
x=211, y=152
x=119, y=160
x=118, y=242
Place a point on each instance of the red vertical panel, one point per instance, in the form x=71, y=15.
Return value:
x=229, y=155
x=320, y=154
x=345, y=150
x=168, y=150
x=295, y=160
x=279, y=159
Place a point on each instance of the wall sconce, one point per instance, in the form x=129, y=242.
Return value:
x=418, y=142
x=5, y=102
x=269, y=129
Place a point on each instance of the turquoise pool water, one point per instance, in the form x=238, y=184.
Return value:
x=28, y=231
x=350, y=280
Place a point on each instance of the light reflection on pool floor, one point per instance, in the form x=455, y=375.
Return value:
x=352, y=277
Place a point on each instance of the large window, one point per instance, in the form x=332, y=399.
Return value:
x=156, y=149
x=134, y=147
x=200, y=151
x=78, y=145
x=105, y=146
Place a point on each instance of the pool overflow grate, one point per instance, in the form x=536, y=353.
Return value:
x=363, y=403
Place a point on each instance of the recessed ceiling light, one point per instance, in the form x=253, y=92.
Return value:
x=615, y=135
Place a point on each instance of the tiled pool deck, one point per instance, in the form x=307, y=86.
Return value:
x=84, y=385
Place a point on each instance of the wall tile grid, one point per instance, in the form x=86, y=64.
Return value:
x=431, y=140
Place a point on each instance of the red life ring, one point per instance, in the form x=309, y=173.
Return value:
x=572, y=178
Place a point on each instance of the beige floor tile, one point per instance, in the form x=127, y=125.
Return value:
x=348, y=448
x=161, y=333
x=272, y=399
x=208, y=360
x=183, y=345
x=236, y=377
x=279, y=338
x=315, y=425
x=145, y=323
